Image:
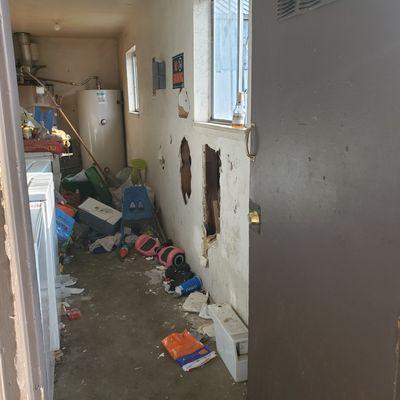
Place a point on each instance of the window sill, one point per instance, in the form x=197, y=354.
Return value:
x=135, y=113
x=237, y=132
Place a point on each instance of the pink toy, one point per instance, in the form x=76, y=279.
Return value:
x=171, y=256
x=147, y=245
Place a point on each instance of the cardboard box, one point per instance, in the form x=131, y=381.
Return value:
x=100, y=217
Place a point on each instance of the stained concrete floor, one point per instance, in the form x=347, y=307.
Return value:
x=114, y=350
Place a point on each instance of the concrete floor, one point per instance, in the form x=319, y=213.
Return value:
x=113, y=351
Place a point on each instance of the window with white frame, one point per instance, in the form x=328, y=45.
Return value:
x=230, y=55
x=132, y=80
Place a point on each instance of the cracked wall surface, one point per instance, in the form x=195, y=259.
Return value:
x=158, y=30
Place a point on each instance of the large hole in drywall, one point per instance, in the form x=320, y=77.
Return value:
x=186, y=173
x=212, y=192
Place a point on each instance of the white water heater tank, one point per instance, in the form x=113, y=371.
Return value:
x=101, y=128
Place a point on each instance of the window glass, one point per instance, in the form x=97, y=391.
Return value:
x=132, y=80
x=231, y=32
x=225, y=58
x=246, y=54
x=246, y=42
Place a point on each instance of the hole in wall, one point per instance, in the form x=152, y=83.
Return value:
x=186, y=173
x=161, y=158
x=212, y=192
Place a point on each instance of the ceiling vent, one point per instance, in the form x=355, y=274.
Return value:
x=289, y=8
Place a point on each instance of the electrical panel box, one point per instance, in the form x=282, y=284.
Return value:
x=159, y=75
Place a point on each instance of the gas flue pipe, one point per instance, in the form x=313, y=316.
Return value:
x=84, y=82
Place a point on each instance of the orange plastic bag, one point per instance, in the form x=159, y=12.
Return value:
x=181, y=344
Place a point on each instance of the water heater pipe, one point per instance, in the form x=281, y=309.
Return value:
x=84, y=82
x=24, y=41
x=56, y=105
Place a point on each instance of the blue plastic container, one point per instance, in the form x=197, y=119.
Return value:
x=64, y=225
x=189, y=286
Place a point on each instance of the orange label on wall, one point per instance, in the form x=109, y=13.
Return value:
x=178, y=72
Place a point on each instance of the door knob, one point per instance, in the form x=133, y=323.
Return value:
x=254, y=218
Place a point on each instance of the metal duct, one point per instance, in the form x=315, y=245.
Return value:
x=24, y=41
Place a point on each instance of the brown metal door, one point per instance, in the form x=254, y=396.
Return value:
x=325, y=270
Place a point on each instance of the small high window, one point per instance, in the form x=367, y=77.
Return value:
x=230, y=26
x=132, y=80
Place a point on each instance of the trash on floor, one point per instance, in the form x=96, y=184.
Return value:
x=66, y=291
x=155, y=276
x=187, y=351
x=188, y=286
x=99, y=216
x=64, y=225
x=72, y=313
x=105, y=244
x=58, y=355
x=232, y=340
x=175, y=276
x=207, y=330
x=195, y=302
x=71, y=211
x=204, y=312
x=99, y=185
x=68, y=280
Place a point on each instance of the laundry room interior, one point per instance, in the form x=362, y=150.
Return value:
x=135, y=114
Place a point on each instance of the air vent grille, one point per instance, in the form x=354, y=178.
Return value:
x=286, y=8
x=307, y=4
x=289, y=8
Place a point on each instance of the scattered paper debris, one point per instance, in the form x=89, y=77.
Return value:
x=108, y=243
x=58, y=355
x=155, y=276
x=207, y=329
x=68, y=280
x=204, y=312
x=130, y=239
x=195, y=302
x=64, y=291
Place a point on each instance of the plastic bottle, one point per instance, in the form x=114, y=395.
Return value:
x=239, y=113
x=189, y=286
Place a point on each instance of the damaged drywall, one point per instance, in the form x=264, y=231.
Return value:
x=186, y=172
x=225, y=269
x=212, y=169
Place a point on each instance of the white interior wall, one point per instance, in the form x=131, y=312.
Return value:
x=163, y=29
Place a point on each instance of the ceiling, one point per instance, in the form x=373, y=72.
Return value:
x=77, y=18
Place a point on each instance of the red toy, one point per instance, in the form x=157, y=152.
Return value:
x=171, y=256
x=147, y=245
x=73, y=313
